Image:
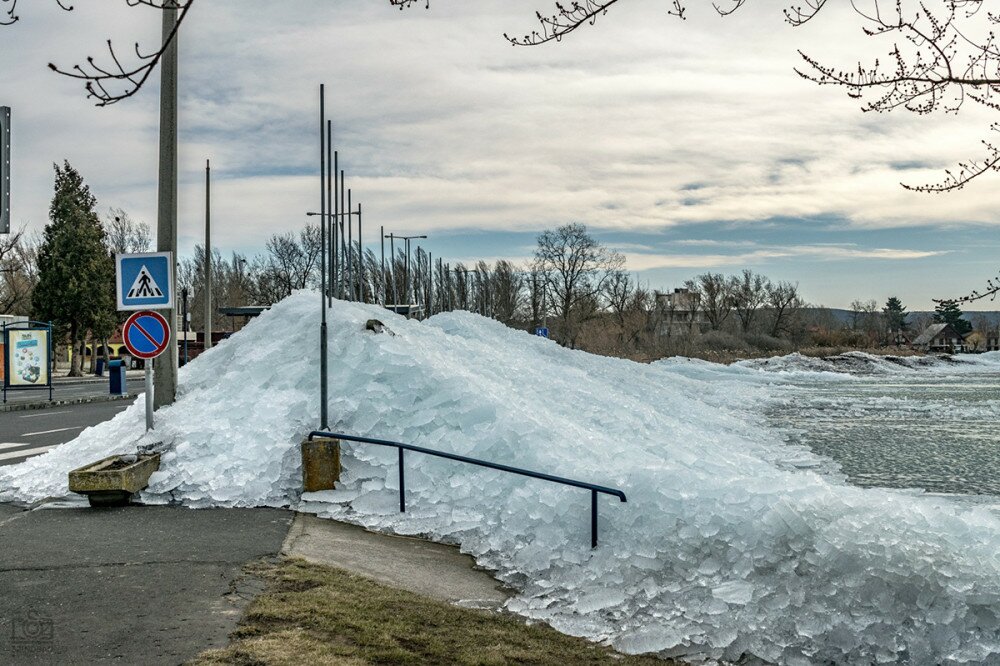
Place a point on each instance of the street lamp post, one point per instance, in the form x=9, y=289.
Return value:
x=184, y=322
x=208, y=255
x=324, y=187
x=406, y=283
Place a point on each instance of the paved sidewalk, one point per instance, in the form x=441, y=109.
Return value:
x=159, y=585
x=137, y=585
x=430, y=569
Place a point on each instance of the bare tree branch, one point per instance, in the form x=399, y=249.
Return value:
x=9, y=8
x=990, y=292
x=111, y=84
x=568, y=18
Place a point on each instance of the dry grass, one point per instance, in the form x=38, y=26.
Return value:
x=311, y=614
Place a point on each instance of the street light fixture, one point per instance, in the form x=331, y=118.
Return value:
x=407, y=239
x=332, y=217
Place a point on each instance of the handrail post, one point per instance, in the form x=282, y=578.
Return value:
x=593, y=518
x=402, y=484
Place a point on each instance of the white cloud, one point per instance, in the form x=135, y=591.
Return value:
x=643, y=261
x=442, y=125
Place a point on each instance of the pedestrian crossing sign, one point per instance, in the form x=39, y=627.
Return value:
x=145, y=281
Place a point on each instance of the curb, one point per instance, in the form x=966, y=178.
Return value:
x=71, y=381
x=30, y=406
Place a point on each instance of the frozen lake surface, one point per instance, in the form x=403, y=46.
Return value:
x=929, y=428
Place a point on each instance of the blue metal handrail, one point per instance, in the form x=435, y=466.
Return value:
x=593, y=488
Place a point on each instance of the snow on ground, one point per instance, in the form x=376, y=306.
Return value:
x=729, y=544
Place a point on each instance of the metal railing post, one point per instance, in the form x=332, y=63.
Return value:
x=402, y=484
x=593, y=519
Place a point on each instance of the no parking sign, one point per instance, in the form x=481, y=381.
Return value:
x=146, y=334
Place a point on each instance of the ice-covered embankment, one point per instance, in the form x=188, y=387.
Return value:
x=724, y=549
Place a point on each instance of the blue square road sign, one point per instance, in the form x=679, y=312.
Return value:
x=145, y=281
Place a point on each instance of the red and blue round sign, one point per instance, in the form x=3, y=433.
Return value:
x=146, y=334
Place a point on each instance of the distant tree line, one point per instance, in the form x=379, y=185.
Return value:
x=573, y=286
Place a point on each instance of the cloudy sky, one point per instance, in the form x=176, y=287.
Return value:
x=690, y=146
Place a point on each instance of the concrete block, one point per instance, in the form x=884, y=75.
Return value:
x=113, y=480
x=320, y=464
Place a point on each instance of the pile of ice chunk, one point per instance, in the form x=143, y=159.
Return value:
x=726, y=548
x=862, y=363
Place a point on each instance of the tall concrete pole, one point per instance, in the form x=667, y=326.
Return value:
x=208, y=254
x=166, y=221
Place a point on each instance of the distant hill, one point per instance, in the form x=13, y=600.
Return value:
x=993, y=316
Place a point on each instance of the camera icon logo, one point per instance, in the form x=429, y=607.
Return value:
x=32, y=628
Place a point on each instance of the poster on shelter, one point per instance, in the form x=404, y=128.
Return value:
x=27, y=357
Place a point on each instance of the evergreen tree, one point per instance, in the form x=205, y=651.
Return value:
x=895, y=314
x=948, y=312
x=75, y=273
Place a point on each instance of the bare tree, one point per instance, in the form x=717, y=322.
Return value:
x=234, y=282
x=716, y=298
x=749, y=291
x=576, y=267
x=508, y=292
x=630, y=306
x=618, y=292
x=866, y=318
x=291, y=263
x=123, y=235
x=18, y=272
x=784, y=305
x=536, y=297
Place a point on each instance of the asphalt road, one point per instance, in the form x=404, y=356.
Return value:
x=35, y=431
x=136, y=585
x=68, y=391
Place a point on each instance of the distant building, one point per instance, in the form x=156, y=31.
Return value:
x=992, y=341
x=940, y=338
x=900, y=338
x=680, y=313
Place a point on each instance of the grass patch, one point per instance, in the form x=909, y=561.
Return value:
x=311, y=614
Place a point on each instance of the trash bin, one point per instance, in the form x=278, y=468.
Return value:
x=117, y=381
x=99, y=367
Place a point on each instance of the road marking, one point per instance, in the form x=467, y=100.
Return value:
x=49, y=432
x=35, y=416
x=25, y=453
x=12, y=445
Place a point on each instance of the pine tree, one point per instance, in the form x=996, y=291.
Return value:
x=75, y=273
x=948, y=312
x=895, y=314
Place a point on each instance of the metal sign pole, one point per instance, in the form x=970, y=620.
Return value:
x=149, y=394
x=6, y=355
x=51, y=362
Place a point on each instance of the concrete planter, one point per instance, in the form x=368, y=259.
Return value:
x=113, y=481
